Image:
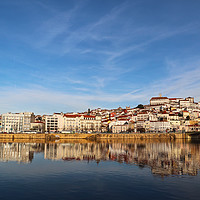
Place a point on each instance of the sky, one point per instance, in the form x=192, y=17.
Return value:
x=71, y=55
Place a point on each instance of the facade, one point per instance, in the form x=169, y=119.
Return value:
x=17, y=122
x=192, y=128
x=71, y=122
x=38, y=127
x=174, y=125
x=142, y=116
x=91, y=123
x=59, y=122
x=119, y=128
x=163, y=116
x=85, y=122
x=159, y=126
x=190, y=99
x=54, y=123
x=185, y=103
x=29, y=117
x=140, y=124
x=159, y=100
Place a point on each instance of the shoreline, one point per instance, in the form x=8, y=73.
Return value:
x=94, y=137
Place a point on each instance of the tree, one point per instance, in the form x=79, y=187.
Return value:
x=141, y=130
x=130, y=130
x=140, y=106
x=180, y=114
x=188, y=117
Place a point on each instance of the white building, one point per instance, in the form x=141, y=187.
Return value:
x=161, y=126
x=29, y=117
x=120, y=128
x=54, y=123
x=143, y=116
x=17, y=122
x=159, y=100
x=72, y=122
x=117, y=122
x=190, y=99
x=185, y=103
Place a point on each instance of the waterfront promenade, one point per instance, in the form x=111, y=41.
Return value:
x=93, y=136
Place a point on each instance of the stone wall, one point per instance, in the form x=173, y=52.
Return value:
x=49, y=137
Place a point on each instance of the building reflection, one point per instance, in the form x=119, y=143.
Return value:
x=19, y=152
x=163, y=158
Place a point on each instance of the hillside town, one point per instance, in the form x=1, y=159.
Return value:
x=161, y=115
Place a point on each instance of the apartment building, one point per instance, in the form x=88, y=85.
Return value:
x=160, y=126
x=17, y=122
x=54, y=123
x=119, y=128
x=59, y=122
x=72, y=122
x=143, y=116
x=81, y=122
x=163, y=116
x=29, y=118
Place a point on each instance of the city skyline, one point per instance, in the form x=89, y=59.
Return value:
x=74, y=55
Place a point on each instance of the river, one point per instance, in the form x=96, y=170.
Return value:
x=111, y=169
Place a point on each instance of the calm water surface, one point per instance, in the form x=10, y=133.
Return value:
x=103, y=170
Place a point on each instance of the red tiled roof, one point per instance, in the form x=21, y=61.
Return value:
x=172, y=98
x=123, y=119
x=89, y=116
x=71, y=115
x=143, y=113
x=158, y=98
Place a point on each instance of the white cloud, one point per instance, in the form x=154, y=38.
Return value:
x=41, y=100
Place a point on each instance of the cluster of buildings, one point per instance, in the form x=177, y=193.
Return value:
x=163, y=114
x=58, y=122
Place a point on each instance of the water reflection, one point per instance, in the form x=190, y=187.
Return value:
x=163, y=158
x=20, y=152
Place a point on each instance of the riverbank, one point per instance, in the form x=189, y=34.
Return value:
x=52, y=137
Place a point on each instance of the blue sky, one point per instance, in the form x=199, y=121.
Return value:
x=70, y=55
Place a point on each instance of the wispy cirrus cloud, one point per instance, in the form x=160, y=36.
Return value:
x=186, y=83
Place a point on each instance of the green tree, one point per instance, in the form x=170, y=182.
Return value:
x=140, y=106
x=188, y=117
